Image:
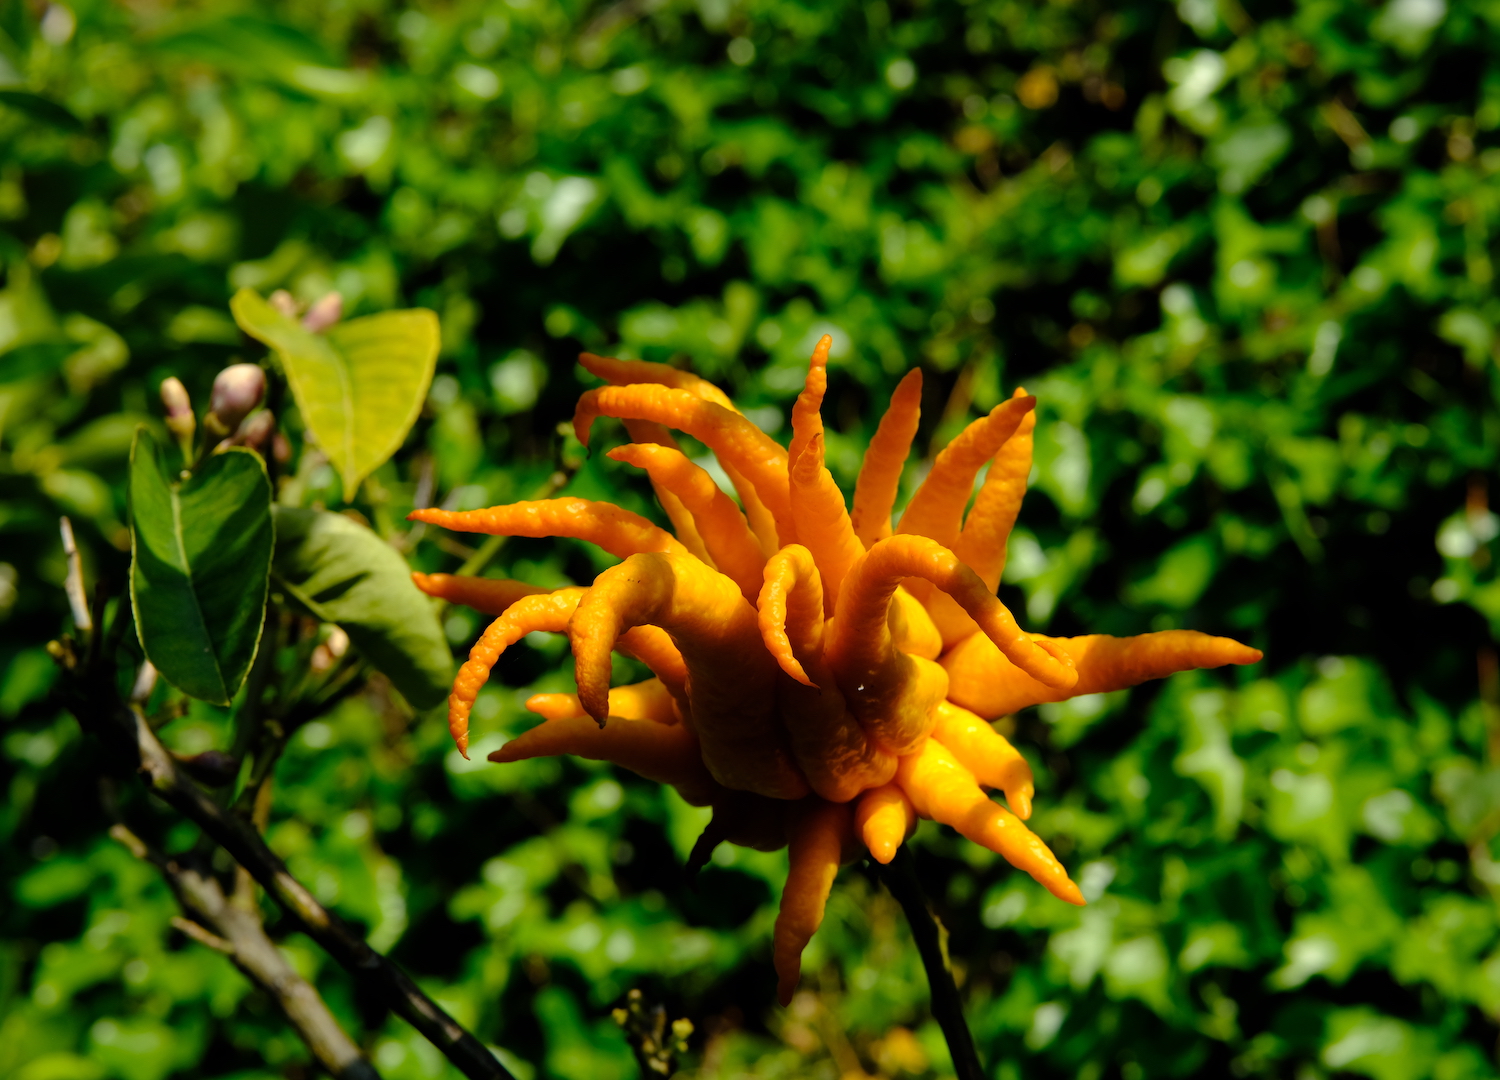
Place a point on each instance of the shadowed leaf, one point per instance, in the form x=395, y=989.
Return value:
x=343, y=573
x=200, y=566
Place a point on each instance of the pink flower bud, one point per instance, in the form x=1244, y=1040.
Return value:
x=180, y=419
x=237, y=390
x=175, y=397
x=255, y=431
x=324, y=313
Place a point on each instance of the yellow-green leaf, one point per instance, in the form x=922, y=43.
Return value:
x=359, y=386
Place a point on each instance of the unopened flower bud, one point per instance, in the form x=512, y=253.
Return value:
x=180, y=420
x=324, y=313
x=237, y=390
x=256, y=431
x=283, y=302
x=175, y=397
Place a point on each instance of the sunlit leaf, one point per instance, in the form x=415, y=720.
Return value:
x=359, y=386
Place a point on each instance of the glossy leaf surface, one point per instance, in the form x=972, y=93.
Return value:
x=200, y=563
x=343, y=573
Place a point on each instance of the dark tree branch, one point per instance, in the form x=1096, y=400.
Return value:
x=235, y=929
x=88, y=691
x=900, y=877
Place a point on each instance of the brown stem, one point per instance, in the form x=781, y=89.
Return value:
x=90, y=695
x=900, y=877
x=237, y=931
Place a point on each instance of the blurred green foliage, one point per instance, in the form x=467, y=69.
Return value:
x=1242, y=252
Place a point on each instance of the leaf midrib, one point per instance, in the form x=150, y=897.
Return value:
x=346, y=387
x=187, y=569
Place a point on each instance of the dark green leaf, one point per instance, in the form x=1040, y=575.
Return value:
x=41, y=108
x=240, y=40
x=29, y=361
x=200, y=567
x=343, y=573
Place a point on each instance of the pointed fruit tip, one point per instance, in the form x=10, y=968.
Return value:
x=1069, y=891
x=882, y=852
x=703, y=850
x=794, y=668
x=785, y=989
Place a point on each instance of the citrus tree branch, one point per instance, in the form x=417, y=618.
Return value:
x=88, y=690
x=236, y=930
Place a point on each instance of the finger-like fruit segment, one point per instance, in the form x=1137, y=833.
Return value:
x=884, y=818
x=617, y=531
x=880, y=474
x=817, y=835
x=490, y=596
x=731, y=691
x=985, y=681
x=665, y=753
x=987, y=754
x=942, y=789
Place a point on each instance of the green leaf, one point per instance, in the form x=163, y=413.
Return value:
x=41, y=108
x=359, y=386
x=343, y=573
x=200, y=567
x=29, y=361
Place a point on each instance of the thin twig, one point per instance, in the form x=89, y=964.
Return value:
x=145, y=682
x=247, y=718
x=91, y=696
x=238, y=932
x=900, y=877
x=78, y=596
x=247, y=847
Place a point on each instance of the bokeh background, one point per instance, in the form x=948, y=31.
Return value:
x=1242, y=252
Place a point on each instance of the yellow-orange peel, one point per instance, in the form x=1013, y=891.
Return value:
x=819, y=681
